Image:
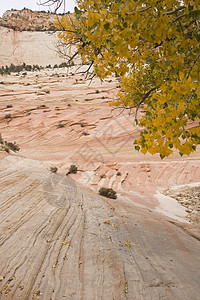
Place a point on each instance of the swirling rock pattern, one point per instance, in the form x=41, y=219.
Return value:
x=61, y=240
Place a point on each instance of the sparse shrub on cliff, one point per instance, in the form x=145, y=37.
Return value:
x=16, y=69
x=1, y=139
x=63, y=65
x=36, y=67
x=5, y=70
x=7, y=146
x=12, y=146
x=54, y=170
x=1, y=72
x=73, y=169
x=38, y=28
x=28, y=68
x=85, y=133
x=8, y=116
x=103, y=176
x=60, y=125
x=108, y=192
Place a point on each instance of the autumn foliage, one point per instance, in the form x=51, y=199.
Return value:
x=153, y=46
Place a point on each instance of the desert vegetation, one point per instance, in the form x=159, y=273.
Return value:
x=108, y=192
x=7, y=70
x=8, y=146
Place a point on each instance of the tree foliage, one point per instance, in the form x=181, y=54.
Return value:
x=153, y=46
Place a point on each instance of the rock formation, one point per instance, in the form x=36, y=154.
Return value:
x=28, y=37
x=28, y=20
x=60, y=240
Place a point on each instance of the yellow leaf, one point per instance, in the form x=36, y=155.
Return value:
x=106, y=222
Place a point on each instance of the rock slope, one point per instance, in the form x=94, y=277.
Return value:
x=61, y=240
x=83, y=246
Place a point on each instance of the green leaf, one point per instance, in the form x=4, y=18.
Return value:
x=125, y=24
x=168, y=62
x=106, y=26
x=77, y=11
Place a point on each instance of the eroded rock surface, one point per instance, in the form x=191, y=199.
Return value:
x=59, y=239
x=30, y=37
x=84, y=246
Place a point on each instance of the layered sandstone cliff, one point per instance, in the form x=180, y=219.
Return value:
x=29, y=20
x=28, y=37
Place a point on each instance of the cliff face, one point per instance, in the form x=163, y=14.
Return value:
x=28, y=20
x=28, y=37
x=28, y=47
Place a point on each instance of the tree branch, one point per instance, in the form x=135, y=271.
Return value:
x=193, y=65
x=177, y=18
x=175, y=10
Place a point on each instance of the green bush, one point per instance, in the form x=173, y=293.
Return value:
x=73, y=169
x=108, y=192
x=54, y=170
x=7, y=146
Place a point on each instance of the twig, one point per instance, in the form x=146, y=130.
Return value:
x=193, y=65
x=188, y=101
x=177, y=18
x=175, y=10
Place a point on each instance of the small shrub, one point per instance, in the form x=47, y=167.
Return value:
x=54, y=170
x=9, y=106
x=7, y=146
x=63, y=65
x=12, y=146
x=103, y=176
x=60, y=125
x=38, y=28
x=36, y=67
x=8, y=116
x=85, y=133
x=108, y=192
x=28, y=67
x=73, y=169
x=118, y=174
